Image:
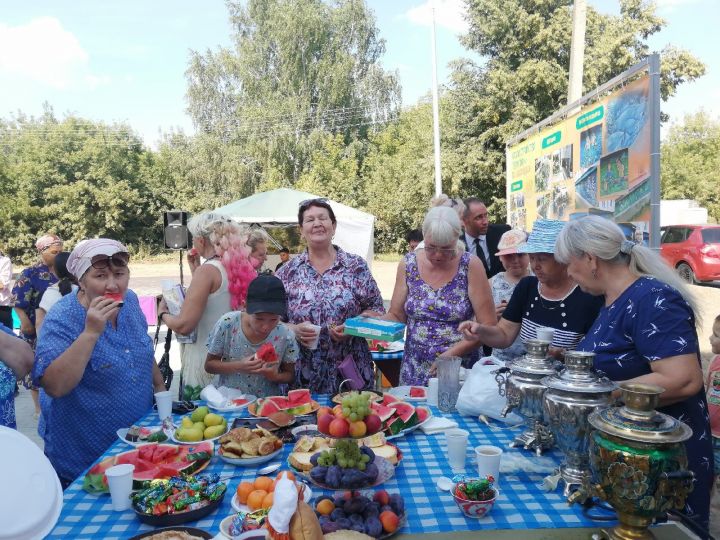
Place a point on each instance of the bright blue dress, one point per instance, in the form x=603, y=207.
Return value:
x=650, y=321
x=115, y=390
x=8, y=383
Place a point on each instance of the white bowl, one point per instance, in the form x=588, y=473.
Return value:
x=225, y=527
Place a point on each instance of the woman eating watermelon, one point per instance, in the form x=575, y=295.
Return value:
x=252, y=350
x=95, y=359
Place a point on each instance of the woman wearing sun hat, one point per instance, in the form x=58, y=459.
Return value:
x=95, y=359
x=549, y=299
x=502, y=284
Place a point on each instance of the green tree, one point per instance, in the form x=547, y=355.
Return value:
x=690, y=162
x=75, y=177
x=296, y=67
x=525, y=45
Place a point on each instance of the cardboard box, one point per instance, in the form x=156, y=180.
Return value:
x=372, y=328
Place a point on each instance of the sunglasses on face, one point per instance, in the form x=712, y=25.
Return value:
x=307, y=202
x=119, y=260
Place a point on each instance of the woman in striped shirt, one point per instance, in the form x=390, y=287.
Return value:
x=549, y=299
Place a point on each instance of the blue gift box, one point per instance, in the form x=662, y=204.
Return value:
x=372, y=328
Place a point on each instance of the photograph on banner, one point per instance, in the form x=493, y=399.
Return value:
x=594, y=162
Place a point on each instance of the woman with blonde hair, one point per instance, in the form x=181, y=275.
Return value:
x=645, y=333
x=257, y=242
x=219, y=285
x=436, y=288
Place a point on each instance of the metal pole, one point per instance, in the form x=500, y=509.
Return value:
x=577, y=50
x=654, y=68
x=182, y=284
x=436, y=111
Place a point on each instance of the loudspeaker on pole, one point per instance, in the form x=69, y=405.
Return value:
x=176, y=234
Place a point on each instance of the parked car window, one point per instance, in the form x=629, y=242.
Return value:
x=674, y=235
x=711, y=236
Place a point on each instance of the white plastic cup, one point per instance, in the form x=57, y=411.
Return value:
x=488, y=461
x=164, y=404
x=120, y=481
x=456, y=440
x=313, y=344
x=545, y=334
x=432, y=391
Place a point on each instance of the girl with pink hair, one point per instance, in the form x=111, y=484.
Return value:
x=219, y=285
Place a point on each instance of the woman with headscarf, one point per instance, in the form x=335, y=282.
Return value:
x=6, y=299
x=95, y=359
x=28, y=291
x=65, y=285
x=645, y=333
x=219, y=285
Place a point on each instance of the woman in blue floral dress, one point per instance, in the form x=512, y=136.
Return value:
x=28, y=291
x=325, y=287
x=437, y=288
x=16, y=360
x=645, y=333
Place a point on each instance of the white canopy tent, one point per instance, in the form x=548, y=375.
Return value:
x=279, y=208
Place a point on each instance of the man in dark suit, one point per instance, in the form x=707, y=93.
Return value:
x=480, y=237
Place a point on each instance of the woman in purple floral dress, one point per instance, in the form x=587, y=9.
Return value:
x=436, y=288
x=326, y=286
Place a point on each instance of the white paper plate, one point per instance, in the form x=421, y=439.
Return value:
x=247, y=462
x=403, y=392
x=123, y=431
x=230, y=408
x=32, y=478
x=307, y=495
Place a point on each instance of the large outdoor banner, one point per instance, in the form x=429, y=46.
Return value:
x=594, y=162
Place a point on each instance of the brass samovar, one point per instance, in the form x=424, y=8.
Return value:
x=638, y=462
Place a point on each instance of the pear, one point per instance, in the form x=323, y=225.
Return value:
x=199, y=414
x=214, y=431
x=199, y=425
x=213, y=419
x=186, y=422
x=193, y=434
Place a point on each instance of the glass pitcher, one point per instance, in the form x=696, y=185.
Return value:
x=448, y=369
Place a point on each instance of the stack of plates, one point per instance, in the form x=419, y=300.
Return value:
x=31, y=504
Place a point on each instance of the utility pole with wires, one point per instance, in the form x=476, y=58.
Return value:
x=435, y=109
x=577, y=51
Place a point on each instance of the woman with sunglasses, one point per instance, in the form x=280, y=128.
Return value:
x=219, y=285
x=325, y=287
x=95, y=359
x=28, y=290
x=437, y=287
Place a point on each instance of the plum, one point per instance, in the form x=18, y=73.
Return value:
x=356, y=519
x=397, y=504
x=371, y=471
x=344, y=523
x=385, y=508
x=314, y=459
x=368, y=452
x=332, y=478
x=329, y=527
x=319, y=474
x=372, y=510
x=337, y=514
x=339, y=500
x=373, y=527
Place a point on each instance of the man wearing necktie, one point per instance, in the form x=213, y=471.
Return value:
x=480, y=237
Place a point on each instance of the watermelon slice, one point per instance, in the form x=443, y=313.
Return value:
x=382, y=411
x=305, y=408
x=389, y=398
x=281, y=402
x=239, y=401
x=417, y=392
x=267, y=353
x=115, y=297
x=299, y=397
x=395, y=426
x=266, y=407
x=406, y=413
x=422, y=414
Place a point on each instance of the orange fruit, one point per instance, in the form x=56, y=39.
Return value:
x=267, y=501
x=255, y=499
x=243, y=490
x=265, y=483
x=325, y=507
x=288, y=474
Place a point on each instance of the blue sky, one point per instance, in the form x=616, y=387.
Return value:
x=125, y=61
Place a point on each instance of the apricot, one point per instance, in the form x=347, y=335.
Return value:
x=267, y=501
x=256, y=498
x=324, y=410
x=264, y=483
x=389, y=521
x=243, y=490
x=339, y=428
x=324, y=421
x=382, y=497
x=357, y=429
x=325, y=507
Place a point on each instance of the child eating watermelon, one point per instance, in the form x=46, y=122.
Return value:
x=253, y=350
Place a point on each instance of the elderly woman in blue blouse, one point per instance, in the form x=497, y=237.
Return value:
x=644, y=333
x=95, y=359
x=16, y=360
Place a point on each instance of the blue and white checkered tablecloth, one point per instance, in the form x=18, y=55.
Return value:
x=522, y=504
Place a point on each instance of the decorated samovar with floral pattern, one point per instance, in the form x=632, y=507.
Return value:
x=524, y=390
x=638, y=462
x=572, y=394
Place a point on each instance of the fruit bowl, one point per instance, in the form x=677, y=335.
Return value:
x=472, y=508
x=378, y=514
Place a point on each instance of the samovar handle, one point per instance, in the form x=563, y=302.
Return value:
x=501, y=379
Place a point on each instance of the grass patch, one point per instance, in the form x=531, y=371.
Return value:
x=388, y=257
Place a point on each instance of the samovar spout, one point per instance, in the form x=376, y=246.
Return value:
x=513, y=401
